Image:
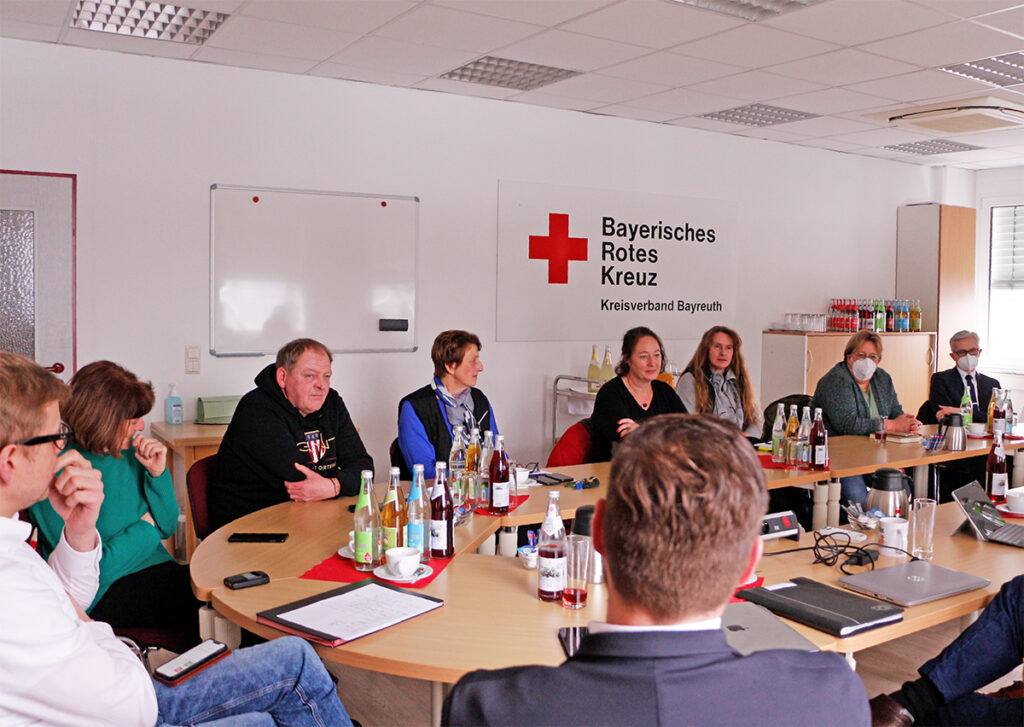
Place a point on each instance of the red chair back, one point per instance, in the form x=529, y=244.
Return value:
x=573, y=446
x=197, y=480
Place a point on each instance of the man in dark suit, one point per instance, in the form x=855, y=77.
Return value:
x=947, y=387
x=678, y=531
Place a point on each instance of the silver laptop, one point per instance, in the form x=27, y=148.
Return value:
x=749, y=628
x=985, y=519
x=909, y=584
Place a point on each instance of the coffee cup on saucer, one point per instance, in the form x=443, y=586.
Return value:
x=976, y=429
x=1015, y=500
x=402, y=562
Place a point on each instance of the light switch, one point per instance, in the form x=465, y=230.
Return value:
x=192, y=359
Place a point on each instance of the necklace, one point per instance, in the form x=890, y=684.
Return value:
x=643, y=398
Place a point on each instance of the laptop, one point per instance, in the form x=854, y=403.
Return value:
x=749, y=628
x=984, y=518
x=913, y=583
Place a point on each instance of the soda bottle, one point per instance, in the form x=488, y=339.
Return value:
x=366, y=525
x=417, y=527
x=890, y=317
x=551, y=552
x=819, y=442
x=792, y=429
x=442, y=515
x=457, y=471
x=879, y=316
x=998, y=419
x=593, y=371
x=915, y=317
x=486, y=452
x=473, y=451
x=779, y=435
x=995, y=470
x=392, y=515
x=499, y=478
x=607, y=368
x=803, y=439
x=967, y=406
x=990, y=414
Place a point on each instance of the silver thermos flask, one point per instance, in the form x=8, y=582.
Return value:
x=581, y=525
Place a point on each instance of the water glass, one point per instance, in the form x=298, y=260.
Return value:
x=880, y=430
x=577, y=569
x=923, y=517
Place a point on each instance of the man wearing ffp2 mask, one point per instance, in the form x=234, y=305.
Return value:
x=947, y=387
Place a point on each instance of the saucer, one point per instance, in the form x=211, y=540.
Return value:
x=345, y=551
x=1005, y=511
x=382, y=572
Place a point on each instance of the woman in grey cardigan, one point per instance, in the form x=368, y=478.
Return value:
x=854, y=395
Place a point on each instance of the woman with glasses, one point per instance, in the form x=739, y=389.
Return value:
x=634, y=395
x=856, y=396
x=141, y=585
x=716, y=382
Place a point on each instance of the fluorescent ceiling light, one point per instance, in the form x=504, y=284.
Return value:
x=143, y=19
x=931, y=146
x=1004, y=70
x=494, y=71
x=757, y=114
x=752, y=10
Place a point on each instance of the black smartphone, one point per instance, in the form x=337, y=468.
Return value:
x=548, y=479
x=570, y=637
x=190, y=663
x=246, y=580
x=257, y=537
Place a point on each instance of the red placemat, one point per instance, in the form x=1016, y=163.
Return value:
x=519, y=500
x=343, y=570
x=766, y=463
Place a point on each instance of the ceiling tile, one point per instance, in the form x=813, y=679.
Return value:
x=883, y=137
x=951, y=43
x=455, y=29
x=368, y=75
x=684, y=102
x=754, y=45
x=28, y=31
x=1012, y=21
x=771, y=133
x=652, y=23
x=756, y=86
x=833, y=144
x=842, y=67
x=539, y=98
x=632, y=112
x=995, y=139
x=697, y=122
x=670, y=69
x=282, y=39
x=263, y=61
x=826, y=126
x=402, y=57
x=595, y=87
x=851, y=22
x=353, y=16
x=128, y=44
x=968, y=8
x=464, y=88
x=920, y=85
x=570, y=50
x=542, y=12
x=831, y=101
x=41, y=12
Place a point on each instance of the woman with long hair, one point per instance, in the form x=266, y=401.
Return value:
x=716, y=381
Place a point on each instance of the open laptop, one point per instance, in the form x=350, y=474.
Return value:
x=909, y=584
x=985, y=519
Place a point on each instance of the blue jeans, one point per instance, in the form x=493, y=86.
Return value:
x=280, y=682
x=990, y=648
x=853, y=490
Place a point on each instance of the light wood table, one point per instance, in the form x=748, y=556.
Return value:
x=187, y=443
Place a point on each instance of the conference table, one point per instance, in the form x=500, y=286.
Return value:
x=492, y=617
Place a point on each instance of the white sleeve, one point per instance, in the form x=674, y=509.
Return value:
x=79, y=573
x=687, y=392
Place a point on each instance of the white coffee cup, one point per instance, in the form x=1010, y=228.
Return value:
x=402, y=562
x=1015, y=499
x=894, y=535
x=976, y=428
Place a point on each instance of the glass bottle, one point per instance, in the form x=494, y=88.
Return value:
x=473, y=451
x=792, y=428
x=417, y=528
x=392, y=514
x=890, y=317
x=915, y=317
x=990, y=414
x=966, y=406
x=442, y=515
x=366, y=525
x=593, y=371
x=819, y=442
x=998, y=419
x=551, y=552
x=486, y=452
x=607, y=368
x=499, y=477
x=779, y=435
x=879, y=316
x=995, y=470
x=457, y=471
x=803, y=439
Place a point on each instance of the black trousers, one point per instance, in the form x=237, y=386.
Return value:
x=156, y=597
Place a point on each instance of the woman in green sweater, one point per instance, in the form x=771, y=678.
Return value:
x=141, y=585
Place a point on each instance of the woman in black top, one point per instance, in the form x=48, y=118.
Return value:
x=634, y=395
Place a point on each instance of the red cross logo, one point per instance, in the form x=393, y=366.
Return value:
x=558, y=248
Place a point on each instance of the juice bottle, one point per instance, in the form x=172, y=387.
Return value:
x=551, y=552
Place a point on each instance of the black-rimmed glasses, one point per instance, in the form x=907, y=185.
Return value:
x=61, y=439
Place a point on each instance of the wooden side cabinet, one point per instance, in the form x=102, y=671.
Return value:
x=792, y=362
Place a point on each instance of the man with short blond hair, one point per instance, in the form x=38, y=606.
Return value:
x=680, y=528
x=291, y=438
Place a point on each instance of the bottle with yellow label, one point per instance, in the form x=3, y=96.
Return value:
x=607, y=368
x=593, y=371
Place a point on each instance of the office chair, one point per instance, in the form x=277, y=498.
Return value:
x=573, y=447
x=197, y=482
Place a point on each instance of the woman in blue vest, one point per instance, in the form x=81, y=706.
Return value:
x=427, y=415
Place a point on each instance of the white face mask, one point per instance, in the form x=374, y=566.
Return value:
x=967, y=363
x=864, y=369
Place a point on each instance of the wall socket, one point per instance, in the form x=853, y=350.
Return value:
x=192, y=359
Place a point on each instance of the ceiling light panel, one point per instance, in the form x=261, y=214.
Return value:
x=757, y=114
x=143, y=19
x=1004, y=70
x=507, y=73
x=931, y=146
x=752, y=10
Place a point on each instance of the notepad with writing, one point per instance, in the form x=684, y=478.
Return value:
x=822, y=607
x=347, y=613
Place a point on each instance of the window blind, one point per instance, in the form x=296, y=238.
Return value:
x=1007, y=266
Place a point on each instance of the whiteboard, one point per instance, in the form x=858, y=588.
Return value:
x=291, y=263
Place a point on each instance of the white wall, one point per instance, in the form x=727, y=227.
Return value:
x=147, y=137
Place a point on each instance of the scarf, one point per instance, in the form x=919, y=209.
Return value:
x=458, y=407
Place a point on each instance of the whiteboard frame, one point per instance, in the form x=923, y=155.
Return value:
x=415, y=265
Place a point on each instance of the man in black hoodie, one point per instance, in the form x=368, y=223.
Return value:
x=290, y=438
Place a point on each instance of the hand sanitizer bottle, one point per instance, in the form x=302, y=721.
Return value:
x=174, y=411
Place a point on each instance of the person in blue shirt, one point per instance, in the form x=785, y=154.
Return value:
x=426, y=416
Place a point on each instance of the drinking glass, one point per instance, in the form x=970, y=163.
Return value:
x=880, y=430
x=577, y=568
x=923, y=517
